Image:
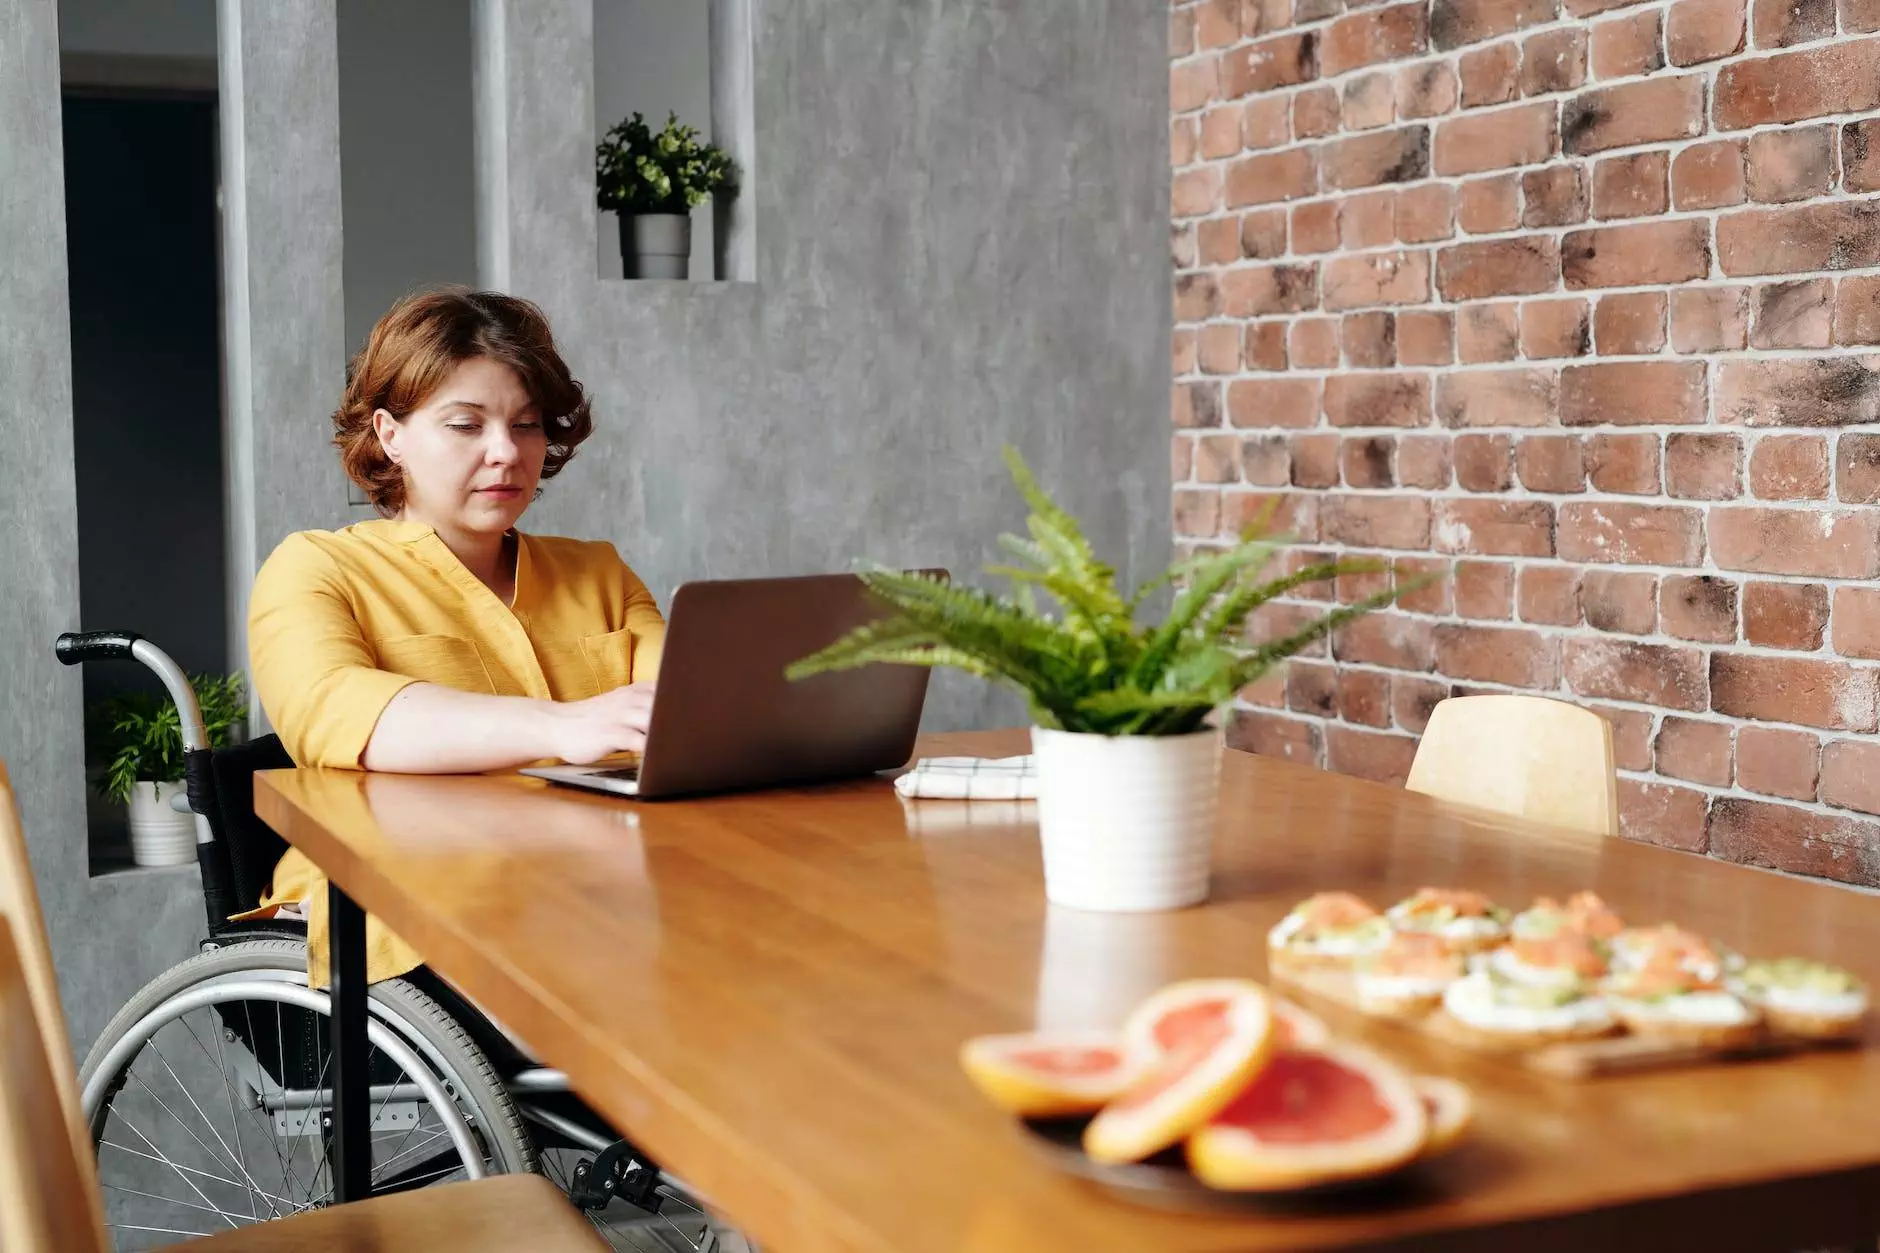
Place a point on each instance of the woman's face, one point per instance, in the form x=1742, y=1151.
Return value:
x=472, y=453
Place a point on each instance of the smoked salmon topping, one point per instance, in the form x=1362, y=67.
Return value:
x=1335, y=911
x=1461, y=902
x=1593, y=916
x=1564, y=950
x=1417, y=955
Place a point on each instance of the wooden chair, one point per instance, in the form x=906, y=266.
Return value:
x=1522, y=755
x=49, y=1199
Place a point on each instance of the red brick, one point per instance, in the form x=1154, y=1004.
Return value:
x=1263, y=17
x=1663, y=814
x=1857, y=469
x=1792, y=315
x=1631, y=186
x=1484, y=463
x=1490, y=75
x=1850, y=775
x=1500, y=267
x=1292, y=514
x=1266, y=461
x=1782, y=837
x=1860, y=155
x=1182, y=351
x=1427, y=90
x=1263, y=234
x=1503, y=528
x=1197, y=297
x=1789, y=467
x=1454, y=23
x=1485, y=590
x=1487, y=332
x=1364, y=697
x=1254, y=290
x=1791, y=164
x=1651, y=111
x=1266, y=122
x=1313, y=460
x=1393, y=156
x=1181, y=32
x=1412, y=701
x=1217, y=23
x=1799, y=391
x=1636, y=255
x=1258, y=67
x=1652, y=674
x=1377, y=400
x=1220, y=348
x=1315, y=227
x=1782, y=23
x=1217, y=241
x=1703, y=30
x=1429, y=582
x=1554, y=328
x=1197, y=512
x=1292, y=402
x=1630, y=323
x=1377, y=521
x=1703, y=466
x=1262, y=179
x=1220, y=131
x=1311, y=688
x=1523, y=135
x=1785, y=615
x=1273, y=735
x=1372, y=36
x=1184, y=138
x=1554, y=195
x=1315, y=112
x=1496, y=398
x=1378, y=278
x=1623, y=464
x=1373, y=755
x=1551, y=463
x=1702, y=752
x=1393, y=640
x=1554, y=60
x=1831, y=235
x=1778, y=762
x=1368, y=460
x=1857, y=622
x=1313, y=344
x=1426, y=213
x=1857, y=311
x=1508, y=655
x=1617, y=600
x=1265, y=346
x=1195, y=192
x=1423, y=461
x=1709, y=176
x=1279, y=619
x=1709, y=319
x=1550, y=595
x=1834, y=78
x=1196, y=404
x=1181, y=458
x=1624, y=46
x=1487, y=205
x=1632, y=393
x=1370, y=339
x=1827, y=694
x=1216, y=458
x=1699, y=607
x=1192, y=84
x=1860, y=15
x=1367, y=102
x=1656, y=535
x=1830, y=544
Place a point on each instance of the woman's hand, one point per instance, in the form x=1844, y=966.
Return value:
x=613, y=722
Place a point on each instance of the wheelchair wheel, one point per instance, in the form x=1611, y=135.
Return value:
x=208, y=1101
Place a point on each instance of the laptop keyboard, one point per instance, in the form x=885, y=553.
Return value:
x=629, y=773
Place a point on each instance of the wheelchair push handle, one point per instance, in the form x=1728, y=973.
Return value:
x=74, y=647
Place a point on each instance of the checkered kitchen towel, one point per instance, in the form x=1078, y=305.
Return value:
x=971, y=778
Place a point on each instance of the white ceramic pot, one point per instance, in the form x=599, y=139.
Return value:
x=159, y=835
x=655, y=245
x=1127, y=822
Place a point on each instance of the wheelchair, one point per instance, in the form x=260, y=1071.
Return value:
x=208, y=1098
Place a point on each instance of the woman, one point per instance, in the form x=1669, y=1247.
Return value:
x=438, y=638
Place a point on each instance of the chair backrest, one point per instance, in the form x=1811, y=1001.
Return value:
x=237, y=868
x=48, y=1180
x=1523, y=755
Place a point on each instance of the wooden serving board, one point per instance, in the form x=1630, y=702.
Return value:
x=1580, y=1059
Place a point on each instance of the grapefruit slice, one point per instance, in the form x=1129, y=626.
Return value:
x=1311, y=1117
x=1049, y=1074
x=1207, y=1038
x=1448, y=1107
x=1296, y=1028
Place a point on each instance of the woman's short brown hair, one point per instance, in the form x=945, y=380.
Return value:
x=413, y=350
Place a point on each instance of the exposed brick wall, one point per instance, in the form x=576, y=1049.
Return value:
x=1578, y=303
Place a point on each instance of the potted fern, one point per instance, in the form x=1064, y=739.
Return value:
x=140, y=737
x=1124, y=734
x=654, y=182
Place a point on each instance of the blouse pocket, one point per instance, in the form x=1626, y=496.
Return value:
x=610, y=657
x=447, y=660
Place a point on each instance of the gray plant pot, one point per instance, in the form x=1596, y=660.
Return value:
x=655, y=245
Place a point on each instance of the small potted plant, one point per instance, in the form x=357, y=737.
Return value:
x=654, y=182
x=140, y=737
x=1127, y=754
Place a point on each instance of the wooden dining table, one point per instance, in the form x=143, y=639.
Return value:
x=768, y=991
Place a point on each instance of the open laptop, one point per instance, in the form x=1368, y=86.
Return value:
x=724, y=717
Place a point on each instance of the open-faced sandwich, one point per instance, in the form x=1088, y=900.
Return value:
x=1330, y=929
x=1503, y=1013
x=1804, y=998
x=1466, y=921
x=1409, y=976
x=1637, y=947
x=1593, y=917
x=1666, y=999
x=1546, y=948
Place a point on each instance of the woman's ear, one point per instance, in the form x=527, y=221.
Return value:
x=386, y=427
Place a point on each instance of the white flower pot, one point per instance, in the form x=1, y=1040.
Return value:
x=655, y=245
x=159, y=835
x=1127, y=822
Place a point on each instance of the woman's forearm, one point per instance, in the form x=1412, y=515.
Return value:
x=432, y=729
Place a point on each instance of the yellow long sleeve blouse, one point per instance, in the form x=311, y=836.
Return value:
x=340, y=622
